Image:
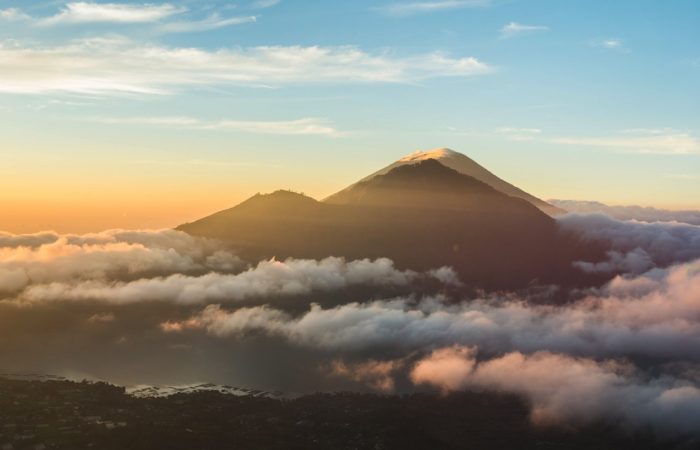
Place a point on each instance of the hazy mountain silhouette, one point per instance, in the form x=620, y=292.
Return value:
x=422, y=215
x=462, y=164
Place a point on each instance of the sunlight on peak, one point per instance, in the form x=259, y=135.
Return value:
x=421, y=155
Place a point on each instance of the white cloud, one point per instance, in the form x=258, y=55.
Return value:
x=514, y=29
x=13, y=15
x=562, y=389
x=447, y=368
x=519, y=134
x=634, y=246
x=213, y=22
x=410, y=8
x=305, y=126
x=508, y=130
x=118, y=66
x=48, y=257
x=269, y=278
x=123, y=13
x=164, y=120
x=632, y=212
x=669, y=143
x=611, y=44
x=308, y=126
x=84, y=12
x=660, y=141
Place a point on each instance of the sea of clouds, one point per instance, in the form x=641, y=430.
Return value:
x=162, y=306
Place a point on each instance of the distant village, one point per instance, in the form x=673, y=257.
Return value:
x=45, y=413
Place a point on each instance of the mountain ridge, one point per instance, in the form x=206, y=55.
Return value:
x=422, y=216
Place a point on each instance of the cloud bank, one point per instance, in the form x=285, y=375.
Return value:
x=45, y=258
x=571, y=390
x=635, y=247
x=640, y=213
x=269, y=278
x=652, y=316
x=120, y=266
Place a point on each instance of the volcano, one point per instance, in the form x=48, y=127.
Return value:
x=420, y=213
x=462, y=164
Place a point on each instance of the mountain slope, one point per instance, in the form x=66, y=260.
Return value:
x=422, y=216
x=462, y=164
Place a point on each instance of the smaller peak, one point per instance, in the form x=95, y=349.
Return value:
x=280, y=195
x=422, y=155
x=285, y=193
x=279, y=199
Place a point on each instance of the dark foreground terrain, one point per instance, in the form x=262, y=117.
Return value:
x=68, y=415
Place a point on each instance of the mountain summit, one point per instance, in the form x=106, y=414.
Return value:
x=460, y=163
x=421, y=214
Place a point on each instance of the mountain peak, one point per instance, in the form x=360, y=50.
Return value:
x=422, y=155
x=426, y=184
x=464, y=165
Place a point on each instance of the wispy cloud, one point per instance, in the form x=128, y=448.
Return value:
x=662, y=142
x=118, y=13
x=213, y=22
x=515, y=29
x=121, y=66
x=160, y=120
x=411, y=8
x=310, y=126
x=611, y=44
x=13, y=15
x=83, y=12
x=519, y=134
x=307, y=126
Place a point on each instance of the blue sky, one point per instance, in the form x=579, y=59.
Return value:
x=164, y=111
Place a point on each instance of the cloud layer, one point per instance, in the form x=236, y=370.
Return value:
x=613, y=355
x=635, y=247
x=652, y=316
x=640, y=213
x=184, y=309
x=120, y=266
x=45, y=258
x=268, y=279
